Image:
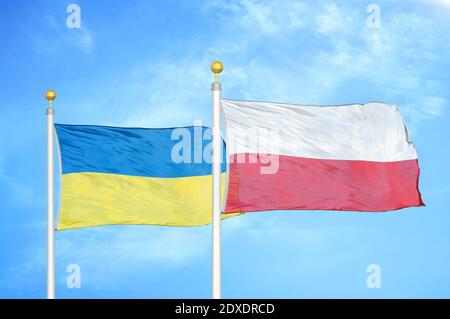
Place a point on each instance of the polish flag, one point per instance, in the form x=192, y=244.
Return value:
x=295, y=157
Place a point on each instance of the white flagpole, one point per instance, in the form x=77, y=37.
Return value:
x=216, y=68
x=50, y=95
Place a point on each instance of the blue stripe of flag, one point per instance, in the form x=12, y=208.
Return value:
x=129, y=151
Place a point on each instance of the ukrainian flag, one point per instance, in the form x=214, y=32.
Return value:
x=114, y=175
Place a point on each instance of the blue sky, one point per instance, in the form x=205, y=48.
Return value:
x=146, y=63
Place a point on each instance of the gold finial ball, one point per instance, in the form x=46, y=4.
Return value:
x=50, y=95
x=216, y=67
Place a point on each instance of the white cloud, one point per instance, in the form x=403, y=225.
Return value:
x=434, y=106
x=332, y=20
x=168, y=92
x=261, y=17
x=350, y=51
x=142, y=248
x=60, y=38
x=261, y=43
x=139, y=245
x=443, y=3
x=84, y=39
x=424, y=108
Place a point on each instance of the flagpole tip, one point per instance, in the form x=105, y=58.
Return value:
x=217, y=68
x=50, y=95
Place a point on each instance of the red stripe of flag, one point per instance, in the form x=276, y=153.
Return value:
x=318, y=184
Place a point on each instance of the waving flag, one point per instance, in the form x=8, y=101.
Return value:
x=113, y=175
x=351, y=157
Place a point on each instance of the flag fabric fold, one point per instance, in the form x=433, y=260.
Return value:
x=294, y=157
